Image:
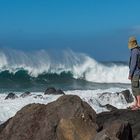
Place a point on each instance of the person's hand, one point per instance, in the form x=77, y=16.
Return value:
x=129, y=77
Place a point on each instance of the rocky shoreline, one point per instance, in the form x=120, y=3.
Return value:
x=71, y=118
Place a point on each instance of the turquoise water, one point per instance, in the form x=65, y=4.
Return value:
x=35, y=71
x=22, y=81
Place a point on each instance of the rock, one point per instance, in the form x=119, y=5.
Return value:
x=59, y=91
x=109, y=107
x=117, y=130
x=76, y=129
x=25, y=94
x=127, y=95
x=40, y=122
x=53, y=91
x=103, y=136
x=50, y=90
x=1, y=122
x=11, y=96
x=3, y=125
x=104, y=119
x=137, y=137
x=104, y=94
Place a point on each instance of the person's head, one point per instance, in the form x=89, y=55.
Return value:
x=132, y=43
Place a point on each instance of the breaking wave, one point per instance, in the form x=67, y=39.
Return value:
x=41, y=65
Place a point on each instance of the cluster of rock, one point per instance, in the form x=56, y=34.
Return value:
x=70, y=118
x=48, y=91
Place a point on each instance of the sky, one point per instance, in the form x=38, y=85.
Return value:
x=99, y=28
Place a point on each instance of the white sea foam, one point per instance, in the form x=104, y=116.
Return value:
x=9, y=107
x=80, y=65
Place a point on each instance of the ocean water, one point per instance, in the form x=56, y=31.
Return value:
x=35, y=71
x=75, y=73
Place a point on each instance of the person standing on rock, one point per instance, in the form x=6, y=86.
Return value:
x=134, y=71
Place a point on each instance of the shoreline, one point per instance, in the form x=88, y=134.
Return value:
x=70, y=113
x=98, y=100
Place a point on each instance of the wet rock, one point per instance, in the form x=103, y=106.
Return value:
x=25, y=94
x=59, y=91
x=127, y=95
x=104, y=94
x=109, y=107
x=50, y=90
x=53, y=91
x=40, y=122
x=11, y=96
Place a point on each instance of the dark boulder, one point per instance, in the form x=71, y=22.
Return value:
x=11, y=96
x=127, y=95
x=40, y=122
x=50, y=90
x=53, y=91
x=104, y=119
x=25, y=94
x=76, y=129
x=59, y=91
x=117, y=130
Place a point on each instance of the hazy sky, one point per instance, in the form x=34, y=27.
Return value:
x=99, y=28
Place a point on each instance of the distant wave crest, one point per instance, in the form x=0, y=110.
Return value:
x=76, y=65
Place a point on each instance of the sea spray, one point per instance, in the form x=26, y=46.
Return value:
x=80, y=65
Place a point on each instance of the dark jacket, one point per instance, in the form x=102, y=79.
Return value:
x=134, y=68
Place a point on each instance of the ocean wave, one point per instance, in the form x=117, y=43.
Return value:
x=30, y=65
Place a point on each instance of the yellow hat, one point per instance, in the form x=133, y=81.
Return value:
x=132, y=43
x=131, y=39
